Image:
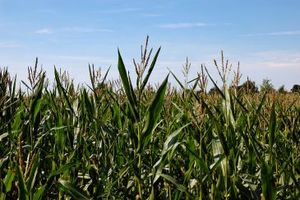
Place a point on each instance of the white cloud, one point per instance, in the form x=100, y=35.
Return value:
x=43, y=31
x=183, y=25
x=279, y=33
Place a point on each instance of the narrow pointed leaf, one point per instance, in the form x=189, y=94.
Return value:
x=23, y=192
x=126, y=84
x=145, y=81
x=272, y=127
x=155, y=109
x=62, y=90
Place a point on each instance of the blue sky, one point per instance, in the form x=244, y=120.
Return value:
x=263, y=35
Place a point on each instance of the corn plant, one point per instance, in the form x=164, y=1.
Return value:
x=124, y=139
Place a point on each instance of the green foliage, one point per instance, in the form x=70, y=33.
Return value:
x=248, y=87
x=267, y=86
x=296, y=88
x=282, y=90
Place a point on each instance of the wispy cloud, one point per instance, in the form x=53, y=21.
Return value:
x=297, y=32
x=121, y=10
x=183, y=25
x=73, y=29
x=9, y=45
x=83, y=58
x=43, y=31
x=227, y=23
x=151, y=15
x=45, y=11
x=278, y=59
x=85, y=29
x=279, y=33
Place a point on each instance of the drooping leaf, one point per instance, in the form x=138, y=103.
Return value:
x=8, y=180
x=71, y=190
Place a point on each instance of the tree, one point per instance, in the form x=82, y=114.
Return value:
x=296, y=88
x=248, y=87
x=267, y=86
x=213, y=90
x=281, y=90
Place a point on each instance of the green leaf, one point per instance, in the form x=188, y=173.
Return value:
x=105, y=76
x=38, y=195
x=145, y=81
x=200, y=161
x=23, y=192
x=258, y=111
x=171, y=141
x=88, y=104
x=177, y=80
x=8, y=180
x=127, y=85
x=30, y=181
x=179, y=186
x=72, y=191
x=18, y=118
x=36, y=102
x=61, y=89
x=215, y=84
x=267, y=181
x=155, y=109
x=37, y=108
x=272, y=126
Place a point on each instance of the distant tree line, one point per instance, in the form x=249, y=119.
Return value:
x=296, y=88
x=249, y=87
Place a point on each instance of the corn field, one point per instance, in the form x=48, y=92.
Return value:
x=129, y=139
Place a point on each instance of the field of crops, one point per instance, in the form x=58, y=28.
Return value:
x=130, y=140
